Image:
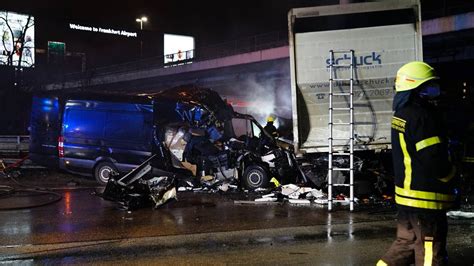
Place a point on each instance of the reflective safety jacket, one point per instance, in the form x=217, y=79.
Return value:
x=423, y=172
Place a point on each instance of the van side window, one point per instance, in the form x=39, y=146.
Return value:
x=84, y=124
x=44, y=115
x=125, y=127
x=242, y=127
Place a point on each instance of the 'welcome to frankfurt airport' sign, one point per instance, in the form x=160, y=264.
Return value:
x=102, y=30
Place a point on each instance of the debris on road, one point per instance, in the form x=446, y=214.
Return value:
x=299, y=201
x=162, y=189
x=460, y=214
x=134, y=190
x=252, y=202
x=293, y=191
x=268, y=199
x=201, y=144
x=321, y=201
x=299, y=195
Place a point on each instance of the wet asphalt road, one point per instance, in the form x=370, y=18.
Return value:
x=201, y=228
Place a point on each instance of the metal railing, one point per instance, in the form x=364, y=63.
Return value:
x=14, y=153
x=246, y=45
x=14, y=145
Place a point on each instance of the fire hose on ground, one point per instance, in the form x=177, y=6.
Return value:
x=18, y=193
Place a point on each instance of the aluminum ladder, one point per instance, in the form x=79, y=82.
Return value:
x=349, y=141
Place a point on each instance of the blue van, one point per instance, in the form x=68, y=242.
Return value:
x=91, y=136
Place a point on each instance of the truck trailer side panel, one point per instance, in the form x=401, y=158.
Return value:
x=378, y=53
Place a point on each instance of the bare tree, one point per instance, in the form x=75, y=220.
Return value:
x=15, y=40
x=8, y=51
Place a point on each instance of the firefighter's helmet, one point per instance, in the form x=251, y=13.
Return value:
x=413, y=74
x=270, y=119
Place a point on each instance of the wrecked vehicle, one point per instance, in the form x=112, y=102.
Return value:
x=198, y=138
x=197, y=132
x=136, y=189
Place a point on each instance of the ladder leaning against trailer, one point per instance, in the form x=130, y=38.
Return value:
x=348, y=147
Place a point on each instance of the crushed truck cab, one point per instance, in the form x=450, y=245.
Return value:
x=198, y=133
x=199, y=141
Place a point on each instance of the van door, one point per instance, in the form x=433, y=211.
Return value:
x=83, y=133
x=127, y=136
x=45, y=125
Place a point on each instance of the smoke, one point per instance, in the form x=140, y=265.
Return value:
x=261, y=97
x=268, y=97
x=260, y=92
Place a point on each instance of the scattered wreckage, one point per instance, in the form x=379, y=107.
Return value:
x=201, y=143
x=134, y=190
x=199, y=140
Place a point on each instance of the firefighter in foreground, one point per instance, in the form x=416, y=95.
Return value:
x=424, y=176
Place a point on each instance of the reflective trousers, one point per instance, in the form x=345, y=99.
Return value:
x=421, y=239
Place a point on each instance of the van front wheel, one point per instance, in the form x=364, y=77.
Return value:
x=103, y=171
x=255, y=176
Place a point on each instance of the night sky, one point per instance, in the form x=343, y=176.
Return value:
x=211, y=21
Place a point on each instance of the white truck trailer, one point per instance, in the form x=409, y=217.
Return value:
x=383, y=35
x=331, y=113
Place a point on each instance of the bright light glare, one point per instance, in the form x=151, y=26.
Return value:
x=144, y=19
x=137, y=20
x=173, y=44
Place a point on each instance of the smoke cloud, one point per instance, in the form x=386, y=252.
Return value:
x=267, y=97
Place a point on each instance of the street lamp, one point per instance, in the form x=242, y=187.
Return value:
x=141, y=20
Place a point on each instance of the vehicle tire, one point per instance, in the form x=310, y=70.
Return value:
x=103, y=171
x=255, y=176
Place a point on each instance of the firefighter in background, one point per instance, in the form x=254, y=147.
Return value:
x=270, y=128
x=424, y=176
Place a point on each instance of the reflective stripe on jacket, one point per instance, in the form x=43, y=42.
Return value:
x=423, y=173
